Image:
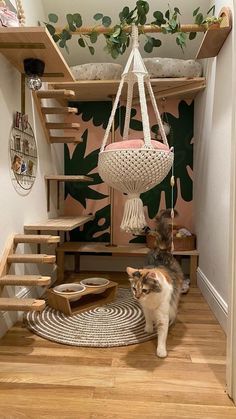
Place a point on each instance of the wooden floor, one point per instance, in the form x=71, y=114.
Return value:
x=42, y=379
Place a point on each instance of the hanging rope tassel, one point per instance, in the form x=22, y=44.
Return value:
x=133, y=218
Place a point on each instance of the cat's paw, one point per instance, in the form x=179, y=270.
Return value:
x=161, y=352
x=148, y=328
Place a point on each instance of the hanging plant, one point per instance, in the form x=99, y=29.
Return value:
x=117, y=37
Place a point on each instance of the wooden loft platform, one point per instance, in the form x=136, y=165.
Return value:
x=16, y=44
x=101, y=90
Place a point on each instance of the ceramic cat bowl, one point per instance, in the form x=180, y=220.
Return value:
x=69, y=289
x=94, y=282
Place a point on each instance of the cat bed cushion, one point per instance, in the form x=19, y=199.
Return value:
x=97, y=71
x=172, y=67
x=133, y=144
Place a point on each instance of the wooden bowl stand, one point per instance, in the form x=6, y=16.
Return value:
x=89, y=298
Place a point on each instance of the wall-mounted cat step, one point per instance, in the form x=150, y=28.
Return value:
x=62, y=125
x=17, y=304
x=36, y=238
x=31, y=258
x=58, y=110
x=55, y=94
x=25, y=280
x=65, y=140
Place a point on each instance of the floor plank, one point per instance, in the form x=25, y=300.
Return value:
x=61, y=381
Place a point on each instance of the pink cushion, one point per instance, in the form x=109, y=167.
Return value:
x=121, y=145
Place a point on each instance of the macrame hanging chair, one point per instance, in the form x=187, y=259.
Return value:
x=135, y=166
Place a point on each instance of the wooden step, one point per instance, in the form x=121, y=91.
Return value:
x=24, y=304
x=65, y=140
x=58, y=110
x=65, y=223
x=62, y=125
x=55, y=94
x=25, y=280
x=36, y=238
x=31, y=258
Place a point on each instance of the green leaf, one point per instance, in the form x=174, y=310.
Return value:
x=212, y=9
x=106, y=21
x=156, y=42
x=98, y=16
x=114, y=53
x=167, y=14
x=62, y=44
x=81, y=43
x=50, y=29
x=117, y=30
x=69, y=19
x=159, y=18
x=192, y=35
x=56, y=38
x=195, y=12
x=124, y=13
x=199, y=19
x=91, y=50
x=142, y=20
x=77, y=19
x=148, y=47
x=52, y=18
x=173, y=23
x=176, y=9
x=93, y=37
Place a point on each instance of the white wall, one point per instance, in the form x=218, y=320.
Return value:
x=212, y=159
x=16, y=210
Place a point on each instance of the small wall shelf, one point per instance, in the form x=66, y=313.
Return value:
x=16, y=44
x=63, y=178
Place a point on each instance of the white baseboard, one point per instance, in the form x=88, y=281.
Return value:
x=214, y=299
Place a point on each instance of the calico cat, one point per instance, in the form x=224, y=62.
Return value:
x=158, y=287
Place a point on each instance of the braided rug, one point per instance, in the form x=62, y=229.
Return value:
x=119, y=323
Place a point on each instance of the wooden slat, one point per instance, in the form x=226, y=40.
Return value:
x=25, y=280
x=65, y=140
x=58, y=110
x=62, y=125
x=69, y=178
x=60, y=223
x=30, y=258
x=130, y=249
x=98, y=90
x=39, y=45
x=17, y=304
x=36, y=238
x=54, y=94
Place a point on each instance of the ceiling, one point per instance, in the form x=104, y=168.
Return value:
x=88, y=8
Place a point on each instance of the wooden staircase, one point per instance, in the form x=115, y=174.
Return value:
x=61, y=96
x=11, y=257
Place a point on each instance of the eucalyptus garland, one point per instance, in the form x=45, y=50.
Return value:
x=117, y=37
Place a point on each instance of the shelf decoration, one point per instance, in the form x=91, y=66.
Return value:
x=23, y=154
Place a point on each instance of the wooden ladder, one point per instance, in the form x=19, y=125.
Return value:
x=10, y=257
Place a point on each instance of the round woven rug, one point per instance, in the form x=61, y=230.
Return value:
x=119, y=323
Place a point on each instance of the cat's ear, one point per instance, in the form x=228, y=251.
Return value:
x=130, y=271
x=152, y=275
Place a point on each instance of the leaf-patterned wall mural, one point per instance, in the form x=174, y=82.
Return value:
x=93, y=197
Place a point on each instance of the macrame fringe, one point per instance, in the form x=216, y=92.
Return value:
x=133, y=218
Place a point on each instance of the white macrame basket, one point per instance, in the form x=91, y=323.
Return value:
x=131, y=170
